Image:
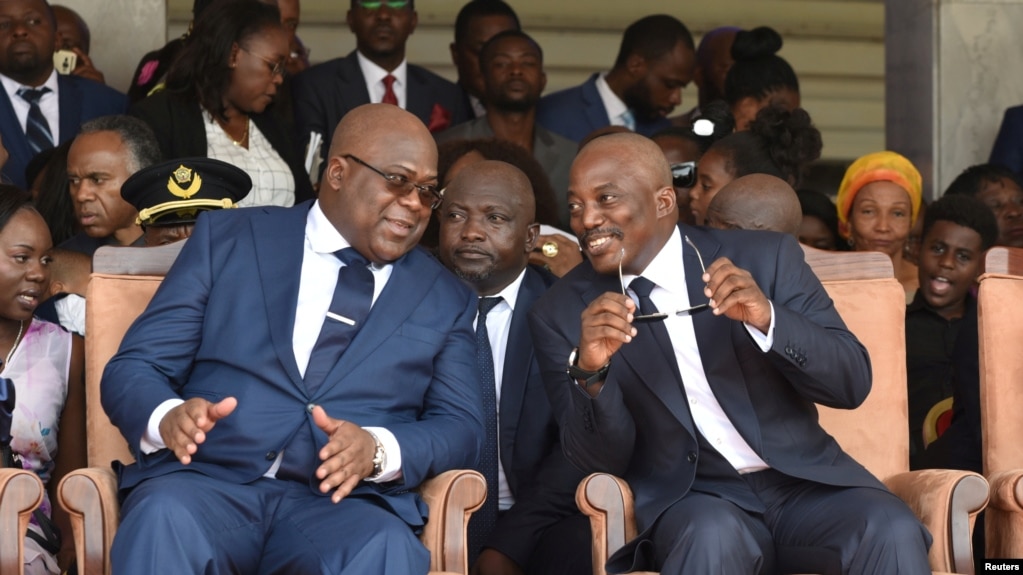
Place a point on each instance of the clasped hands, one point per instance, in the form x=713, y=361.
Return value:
x=607, y=321
x=347, y=457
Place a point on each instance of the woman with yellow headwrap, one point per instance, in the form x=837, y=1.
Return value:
x=878, y=202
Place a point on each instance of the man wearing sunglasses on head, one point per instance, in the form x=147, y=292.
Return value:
x=708, y=412
x=376, y=72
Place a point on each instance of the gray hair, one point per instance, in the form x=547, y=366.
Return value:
x=138, y=138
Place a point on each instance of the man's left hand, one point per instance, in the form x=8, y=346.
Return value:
x=734, y=294
x=85, y=68
x=347, y=457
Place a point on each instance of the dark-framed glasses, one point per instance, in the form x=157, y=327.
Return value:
x=400, y=185
x=660, y=316
x=683, y=174
x=376, y=4
x=276, y=68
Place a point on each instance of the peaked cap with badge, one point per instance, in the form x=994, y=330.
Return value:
x=174, y=192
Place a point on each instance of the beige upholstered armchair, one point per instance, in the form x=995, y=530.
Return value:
x=21, y=492
x=873, y=305
x=1000, y=327
x=123, y=282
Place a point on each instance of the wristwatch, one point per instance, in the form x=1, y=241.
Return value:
x=586, y=377
x=379, y=457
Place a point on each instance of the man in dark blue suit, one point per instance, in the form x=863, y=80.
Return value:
x=281, y=422
x=376, y=71
x=655, y=61
x=487, y=232
x=708, y=410
x=38, y=107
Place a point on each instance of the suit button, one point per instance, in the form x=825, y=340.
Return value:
x=309, y=407
x=271, y=455
x=691, y=457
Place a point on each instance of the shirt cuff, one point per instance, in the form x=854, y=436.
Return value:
x=152, y=441
x=763, y=341
x=392, y=455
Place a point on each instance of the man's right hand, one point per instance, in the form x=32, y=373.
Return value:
x=184, y=428
x=606, y=325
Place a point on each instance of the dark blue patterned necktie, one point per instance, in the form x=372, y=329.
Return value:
x=483, y=520
x=37, y=129
x=353, y=296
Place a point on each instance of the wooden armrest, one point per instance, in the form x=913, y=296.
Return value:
x=452, y=497
x=607, y=501
x=90, y=498
x=947, y=503
x=1004, y=518
x=21, y=492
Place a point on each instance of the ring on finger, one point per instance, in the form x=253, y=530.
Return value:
x=549, y=249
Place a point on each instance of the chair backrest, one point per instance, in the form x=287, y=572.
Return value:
x=873, y=305
x=123, y=282
x=1000, y=329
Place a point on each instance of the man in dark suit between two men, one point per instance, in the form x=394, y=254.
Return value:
x=281, y=423
x=477, y=22
x=655, y=61
x=377, y=71
x=40, y=108
x=487, y=231
x=708, y=410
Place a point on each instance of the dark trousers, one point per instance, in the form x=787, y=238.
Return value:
x=807, y=528
x=186, y=522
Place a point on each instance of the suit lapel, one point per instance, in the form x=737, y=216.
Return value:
x=418, y=99
x=353, y=92
x=70, y=98
x=518, y=359
x=596, y=113
x=401, y=296
x=715, y=340
x=14, y=136
x=280, y=238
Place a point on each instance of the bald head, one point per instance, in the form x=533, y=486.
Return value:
x=487, y=225
x=641, y=154
x=756, y=202
x=381, y=216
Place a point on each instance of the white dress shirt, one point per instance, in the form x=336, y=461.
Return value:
x=617, y=111
x=315, y=293
x=498, y=328
x=374, y=76
x=669, y=294
x=49, y=103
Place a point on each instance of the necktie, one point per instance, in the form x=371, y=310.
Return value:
x=37, y=129
x=483, y=521
x=642, y=287
x=353, y=296
x=628, y=120
x=389, y=96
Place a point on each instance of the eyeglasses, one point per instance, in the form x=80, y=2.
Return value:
x=660, y=316
x=276, y=68
x=683, y=175
x=376, y=4
x=428, y=194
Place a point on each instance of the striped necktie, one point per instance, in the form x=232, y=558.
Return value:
x=37, y=129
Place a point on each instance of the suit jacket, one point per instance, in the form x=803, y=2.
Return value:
x=324, y=93
x=554, y=153
x=639, y=426
x=575, y=112
x=80, y=100
x=1008, y=148
x=181, y=133
x=221, y=325
x=538, y=473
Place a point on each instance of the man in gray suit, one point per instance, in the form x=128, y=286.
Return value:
x=512, y=66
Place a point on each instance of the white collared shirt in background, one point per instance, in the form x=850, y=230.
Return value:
x=49, y=103
x=616, y=109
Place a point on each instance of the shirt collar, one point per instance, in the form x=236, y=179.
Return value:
x=666, y=269
x=12, y=87
x=323, y=237
x=510, y=293
x=375, y=74
x=614, y=105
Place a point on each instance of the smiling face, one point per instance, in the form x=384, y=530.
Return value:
x=24, y=264
x=486, y=225
x=712, y=174
x=1005, y=199
x=951, y=258
x=253, y=85
x=880, y=218
x=620, y=198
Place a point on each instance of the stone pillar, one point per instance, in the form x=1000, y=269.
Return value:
x=122, y=31
x=951, y=70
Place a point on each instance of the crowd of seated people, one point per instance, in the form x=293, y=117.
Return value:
x=428, y=275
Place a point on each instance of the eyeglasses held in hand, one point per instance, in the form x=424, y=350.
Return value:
x=660, y=316
x=683, y=175
x=428, y=194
